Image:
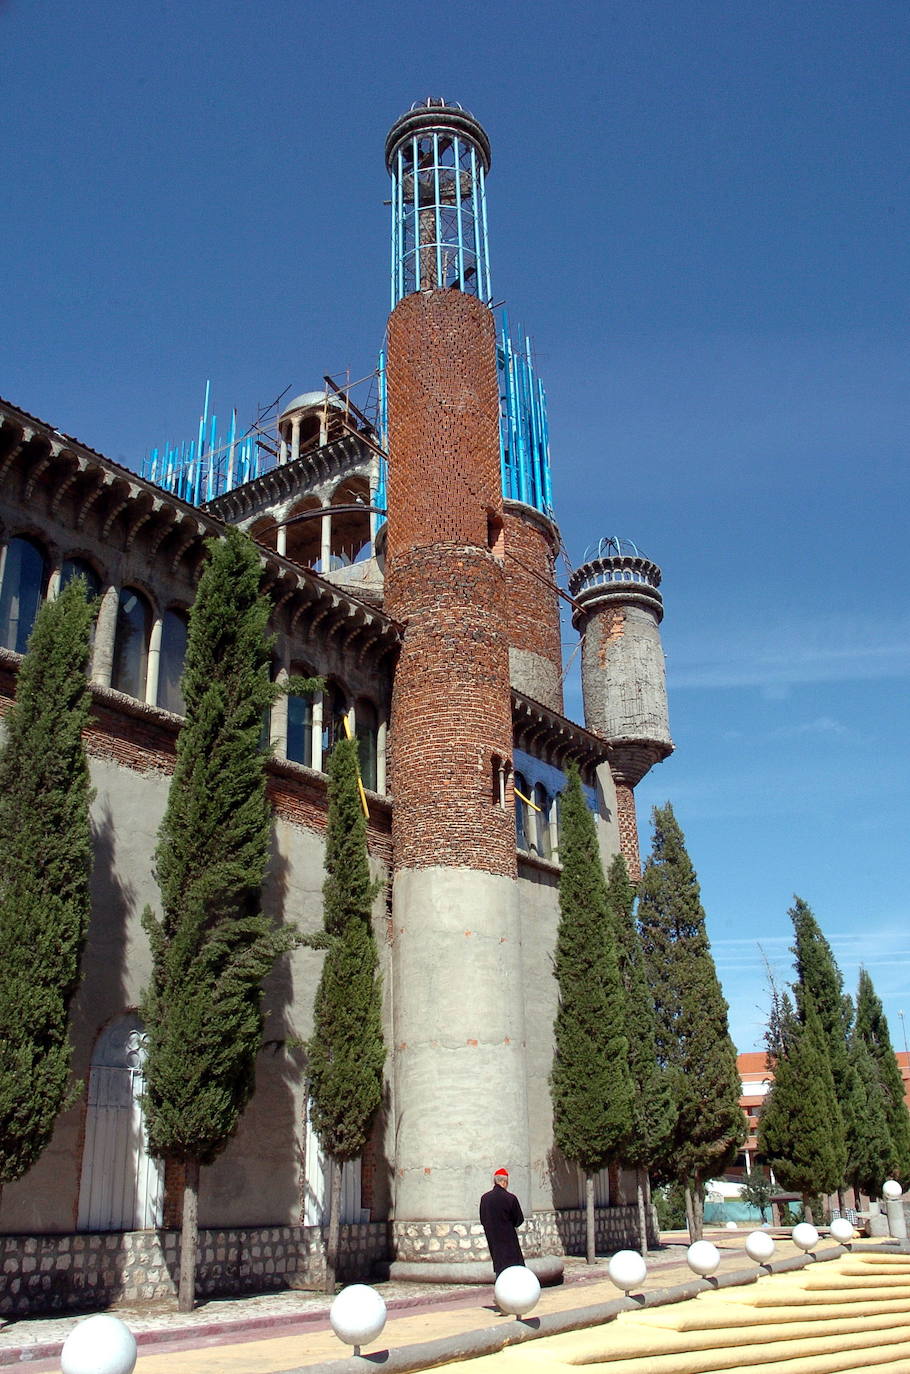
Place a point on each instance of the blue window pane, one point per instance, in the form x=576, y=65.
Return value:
x=300, y=730
x=24, y=581
x=78, y=567
x=521, y=812
x=131, y=643
x=334, y=710
x=367, y=733
x=174, y=629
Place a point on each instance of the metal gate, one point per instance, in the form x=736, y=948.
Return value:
x=122, y=1187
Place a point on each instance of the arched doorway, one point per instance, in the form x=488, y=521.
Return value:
x=122, y=1187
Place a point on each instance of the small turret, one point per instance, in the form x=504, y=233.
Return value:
x=618, y=610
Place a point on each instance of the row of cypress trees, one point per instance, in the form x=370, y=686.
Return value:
x=644, y=1070
x=835, y=1115
x=212, y=946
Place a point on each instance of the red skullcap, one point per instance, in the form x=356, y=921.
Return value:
x=501, y=1173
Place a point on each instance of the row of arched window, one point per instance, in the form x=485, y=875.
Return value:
x=536, y=819
x=147, y=656
x=305, y=726
x=147, y=650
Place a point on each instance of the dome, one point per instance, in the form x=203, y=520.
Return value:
x=309, y=400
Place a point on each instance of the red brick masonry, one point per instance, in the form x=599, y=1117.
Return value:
x=451, y=710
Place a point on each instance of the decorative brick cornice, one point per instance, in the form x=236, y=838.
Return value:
x=556, y=740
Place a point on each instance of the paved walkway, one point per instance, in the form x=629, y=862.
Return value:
x=282, y=1331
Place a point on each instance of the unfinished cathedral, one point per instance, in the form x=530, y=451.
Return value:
x=409, y=552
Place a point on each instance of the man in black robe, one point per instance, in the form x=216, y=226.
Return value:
x=500, y=1215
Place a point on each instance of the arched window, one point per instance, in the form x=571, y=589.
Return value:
x=80, y=567
x=334, y=710
x=174, y=630
x=131, y=643
x=540, y=821
x=366, y=728
x=300, y=722
x=24, y=582
x=350, y=528
x=521, y=811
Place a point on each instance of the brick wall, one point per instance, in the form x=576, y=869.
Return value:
x=533, y=606
x=627, y=823
x=444, y=466
x=451, y=712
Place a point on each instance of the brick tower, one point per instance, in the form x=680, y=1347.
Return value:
x=459, y=1088
x=618, y=610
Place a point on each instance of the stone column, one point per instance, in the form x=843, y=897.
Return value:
x=153, y=667
x=105, y=633
x=278, y=720
x=325, y=527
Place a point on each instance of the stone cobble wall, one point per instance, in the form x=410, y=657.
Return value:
x=563, y=1232
x=54, y=1273
x=544, y=1233
x=59, y=1273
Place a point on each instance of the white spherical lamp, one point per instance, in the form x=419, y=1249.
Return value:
x=627, y=1270
x=731, y=1226
x=703, y=1258
x=99, y=1345
x=759, y=1246
x=892, y=1190
x=357, y=1315
x=517, y=1290
x=842, y=1230
x=805, y=1237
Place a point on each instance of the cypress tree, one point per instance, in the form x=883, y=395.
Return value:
x=590, y=1081
x=800, y=1130
x=818, y=976
x=692, y=1033
x=818, y=979
x=866, y=1121
x=45, y=865
x=211, y=945
x=346, y=1052
x=872, y=1028
x=652, y=1101
x=782, y=1023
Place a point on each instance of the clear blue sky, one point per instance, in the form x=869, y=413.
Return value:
x=699, y=208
